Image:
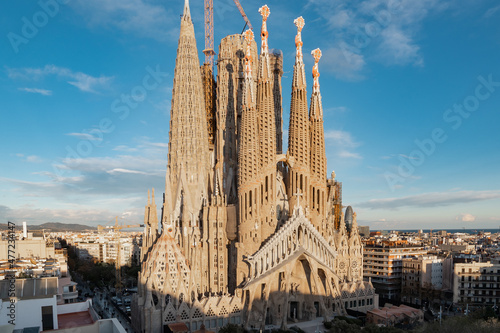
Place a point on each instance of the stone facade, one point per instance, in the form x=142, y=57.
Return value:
x=249, y=235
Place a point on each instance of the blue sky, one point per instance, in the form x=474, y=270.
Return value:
x=411, y=98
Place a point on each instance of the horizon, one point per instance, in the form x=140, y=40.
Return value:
x=417, y=229
x=411, y=99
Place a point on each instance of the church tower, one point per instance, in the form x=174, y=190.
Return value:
x=248, y=226
x=317, y=197
x=266, y=195
x=298, y=133
x=188, y=152
x=150, y=225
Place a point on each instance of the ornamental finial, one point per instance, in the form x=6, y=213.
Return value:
x=299, y=22
x=317, y=55
x=248, y=54
x=264, y=11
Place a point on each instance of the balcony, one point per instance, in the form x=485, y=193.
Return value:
x=70, y=295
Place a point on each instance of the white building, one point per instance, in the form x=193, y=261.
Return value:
x=477, y=283
x=423, y=274
x=32, y=303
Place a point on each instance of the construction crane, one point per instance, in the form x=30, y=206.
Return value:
x=245, y=17
x=116, y=229
x=209, y=29
x=209, y=33
x=207, y=70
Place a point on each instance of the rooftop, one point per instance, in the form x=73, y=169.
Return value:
x=74, y=319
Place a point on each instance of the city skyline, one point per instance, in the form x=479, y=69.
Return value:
x=393, y=75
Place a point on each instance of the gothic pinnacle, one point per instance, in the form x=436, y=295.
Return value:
x=248, y=97
x=299, y=76
x=248, y=54
x=317, y=55
x=187, y=12
x=264, y=11
x=299, y=22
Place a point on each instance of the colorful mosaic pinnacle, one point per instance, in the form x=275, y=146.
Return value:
x=264, y=11
x=248, y=54
x=317, y=55
x=299, y=22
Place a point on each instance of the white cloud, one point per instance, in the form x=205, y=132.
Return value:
x=33, y=159
x=125, y=148
x=342, y=144
x=82, y=81
x=341, y=138
x=343, y=63
x=397, y=48
x=432, y=199
x=74, y=180
x=385, y=31
x=120, y=170
x=44, y=92
x=492, y=11
x=466, y=217
x=30, y=158
x=77, y=214
x=348, y=154
x=84, y=136
x=141, y=17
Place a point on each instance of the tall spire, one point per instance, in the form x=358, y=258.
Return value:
x=299, y=77
x=264, y=11
x=267, y=133
x=298, y=134
x=188, y=151
x=265, y=100
x=318, y=158
x=264, y=63
x=248, y=159
x=299, y=23
x=248, y=97
x=248, y=152
x=187, y=12
x=316, y=53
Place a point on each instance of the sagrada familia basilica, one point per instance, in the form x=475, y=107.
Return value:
x=249, y=235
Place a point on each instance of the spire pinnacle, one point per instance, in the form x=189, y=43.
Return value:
x=153, y=196
x=248, y=98
x=264, y=11
x=187, y=12
x=317, y=55
x=299, y=22
x=148, y=198
x=248, y=55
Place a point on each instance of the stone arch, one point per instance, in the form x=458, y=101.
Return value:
x=322, y=278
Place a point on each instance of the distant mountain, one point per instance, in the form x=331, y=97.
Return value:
x=52, y=226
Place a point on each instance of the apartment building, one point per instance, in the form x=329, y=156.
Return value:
x=477, y=283
x=383, y=265
x=425, y=277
